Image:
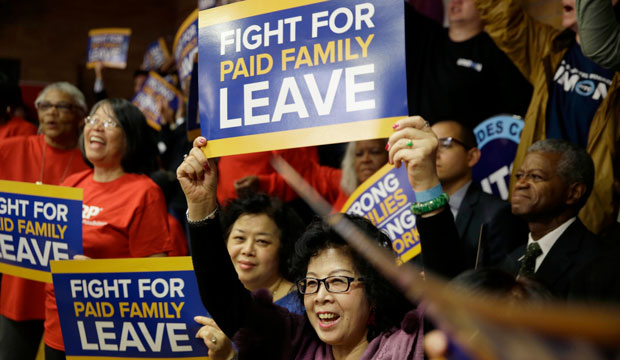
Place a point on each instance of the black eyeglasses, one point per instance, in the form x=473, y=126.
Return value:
x=333, y=284
x=46, y=105
x=446, y=143
x=107, y=123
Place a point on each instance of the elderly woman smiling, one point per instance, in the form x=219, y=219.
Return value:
x=260, y=234
x=126, y=212
x=351, y=311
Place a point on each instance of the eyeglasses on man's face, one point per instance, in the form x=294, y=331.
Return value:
x=333, y=284
x=61, y=106
x=446, y=143
x=107, y=123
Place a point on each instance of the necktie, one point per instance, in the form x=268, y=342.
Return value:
x=528, y=264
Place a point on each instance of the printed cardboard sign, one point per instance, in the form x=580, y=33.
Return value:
x=109, y=46
x=290, y=73
x=129, y=308
x=185, y=48
x=498, y=138
x=38, y=223
x=155, y=89
x=156, y=55
x=385, y=199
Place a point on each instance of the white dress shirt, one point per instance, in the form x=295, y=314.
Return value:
x=546, y=242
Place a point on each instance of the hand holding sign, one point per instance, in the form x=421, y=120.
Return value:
x=415, y=144
x=220, y=346
x=198, y=178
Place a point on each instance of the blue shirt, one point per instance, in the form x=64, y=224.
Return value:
x=579, y=87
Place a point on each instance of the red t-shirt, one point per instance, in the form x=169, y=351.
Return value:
x=123, y=218
x=17, y=126
x=179, y=239
x=233, y=168
x=21, y=159
x=324, y=179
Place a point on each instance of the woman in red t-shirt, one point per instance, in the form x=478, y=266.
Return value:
x=124, y=212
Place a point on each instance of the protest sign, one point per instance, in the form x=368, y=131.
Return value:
x=292, y=73
x=155, y=89
x=129, y=308
x=185, y=48
x=108, y=46
x=38, y=223
x=385, y=199
x=156, y=55
x=498, y=138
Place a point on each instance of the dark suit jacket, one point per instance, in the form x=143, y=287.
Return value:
x=503, y=233
x=576, y=247
x=442, y=253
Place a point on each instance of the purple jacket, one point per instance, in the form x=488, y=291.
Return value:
x=303, y=343
x=263, y=330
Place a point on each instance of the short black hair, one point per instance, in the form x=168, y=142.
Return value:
x=286, y=219
x=141, y=150
x=388, y=303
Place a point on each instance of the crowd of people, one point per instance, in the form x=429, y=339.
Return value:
x=287, y=285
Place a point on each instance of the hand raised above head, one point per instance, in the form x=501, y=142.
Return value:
x=415, y=144
x=198, y=178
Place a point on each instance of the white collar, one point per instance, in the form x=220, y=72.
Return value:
x=456, y=199
x=546, y=242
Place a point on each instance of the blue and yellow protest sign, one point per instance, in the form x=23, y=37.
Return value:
x=108, y=46
x=498, y=138
x=185, y=48
x=38, y=223
x=156, y=55
x=385, y=199
x=155, y=89
x=291, y=73
x=129, y=308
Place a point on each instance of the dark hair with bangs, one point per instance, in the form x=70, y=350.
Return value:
x=286, y=219
x=141, y=151
x=389, y=305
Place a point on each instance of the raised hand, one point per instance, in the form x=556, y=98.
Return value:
x=415, y=144
x=198, y=178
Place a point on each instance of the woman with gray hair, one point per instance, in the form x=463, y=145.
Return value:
x=45, y=159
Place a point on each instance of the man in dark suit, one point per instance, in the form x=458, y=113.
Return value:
x=480, y=218
x=553, y=184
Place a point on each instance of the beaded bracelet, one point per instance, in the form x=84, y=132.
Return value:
x=419, y=208
x=204, y=221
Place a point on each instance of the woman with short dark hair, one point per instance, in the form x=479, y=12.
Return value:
x=351, y=311
x=125, y=211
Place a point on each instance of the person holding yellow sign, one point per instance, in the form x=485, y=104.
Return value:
x=352, y=312
x=124, y=212
x=48, y=158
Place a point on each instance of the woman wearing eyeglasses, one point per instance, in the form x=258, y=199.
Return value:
x=49, y=159
x=351, y=311
x=124, y=212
